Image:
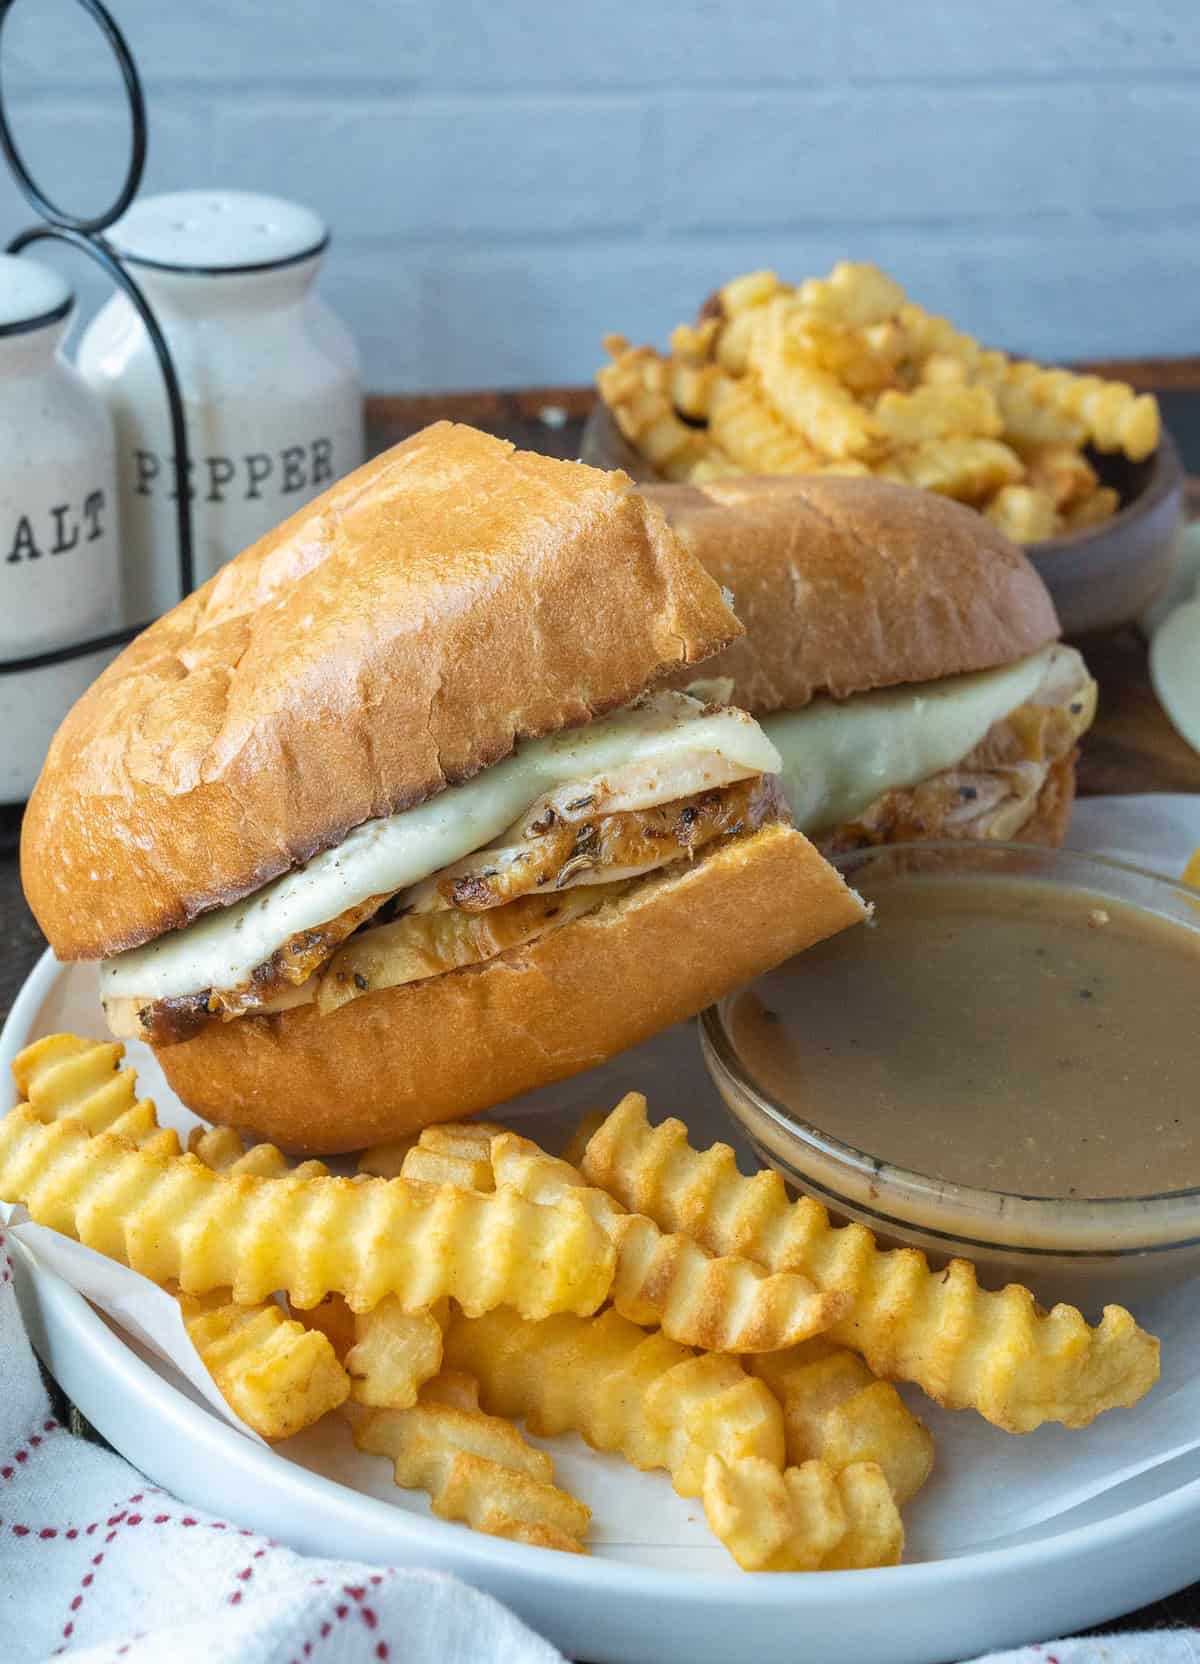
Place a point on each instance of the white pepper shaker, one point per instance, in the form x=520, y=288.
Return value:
x=269, y=378
x=59, y=543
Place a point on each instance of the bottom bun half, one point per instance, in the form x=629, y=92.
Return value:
x=399, y=1059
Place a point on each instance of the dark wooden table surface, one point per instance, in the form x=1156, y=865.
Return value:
x=1132, y=747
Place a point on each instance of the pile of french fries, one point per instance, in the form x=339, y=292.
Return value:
x=641, y=1293
x=845, y=375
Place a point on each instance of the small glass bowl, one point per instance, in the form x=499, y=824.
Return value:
x=1088, y=1251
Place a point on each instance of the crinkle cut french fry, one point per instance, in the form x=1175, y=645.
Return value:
x=456, y=1152
x=636, y=386
x=813, y=403
x=865, y=361
x=836, y=1411
x=690, y=387
x=274, y=1373
x=657, y=1403
x=806, y=1519
x=1023, y=513
x=469, y=1139
x=750, y=431
x=1062, y=472
x=967, y=1347
x=1114, y=417
x=833, y=1407
x=175, y=1220
x=278, y=1376
x=476, y=1468
x=731, y=347
x=226, y=1151
x=936, y=412
x=332, y=1318
x=693, y=344
x=721, y=1304
x=966, y=469
x=65, y=1077
x=431, y=1167
x=394, y=1353
x=931, y=336
x=384, y=1161
x=1028, y=422
x=444, y=1167
x=662, y=1406
x=854, y=294
x=222, y=1148
x=940, y=369
x=1092, y=510
x=752, y=289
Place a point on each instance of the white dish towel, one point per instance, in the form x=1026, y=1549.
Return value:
x=99, y=1566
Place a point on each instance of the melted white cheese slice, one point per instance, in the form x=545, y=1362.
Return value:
x=669, y=744
x=839, y=756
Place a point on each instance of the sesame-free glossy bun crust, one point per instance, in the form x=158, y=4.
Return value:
x=848, y=584
x=436, y=1050
x=395, y=636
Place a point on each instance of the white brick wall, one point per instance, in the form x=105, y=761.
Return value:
x=508, y=179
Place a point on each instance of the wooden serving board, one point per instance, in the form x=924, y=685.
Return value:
x=1131, y=747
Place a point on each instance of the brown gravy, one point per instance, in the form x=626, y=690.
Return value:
x=994, y=1032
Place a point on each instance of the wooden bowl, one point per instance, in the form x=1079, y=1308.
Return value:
x=1100, y=578
x=1108, y=575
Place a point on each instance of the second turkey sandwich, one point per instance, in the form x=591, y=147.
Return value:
x=390, y=821
x=900, y=652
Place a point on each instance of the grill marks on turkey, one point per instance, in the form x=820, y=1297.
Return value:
x=563, y=848
x=563, y=851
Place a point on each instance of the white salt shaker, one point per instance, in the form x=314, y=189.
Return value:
x=269, y=378
x=59, y=544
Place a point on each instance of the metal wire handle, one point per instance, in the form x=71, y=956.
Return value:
x=84, y=233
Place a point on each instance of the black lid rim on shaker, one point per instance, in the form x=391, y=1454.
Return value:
x=246, y=270
x=214, y=233
x=38, y=320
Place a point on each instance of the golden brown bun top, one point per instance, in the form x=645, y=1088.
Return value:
x=846, y=584
x=393, y=637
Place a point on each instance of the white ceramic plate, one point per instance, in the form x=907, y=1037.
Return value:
x=1175, y=669
x=654, y=1587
